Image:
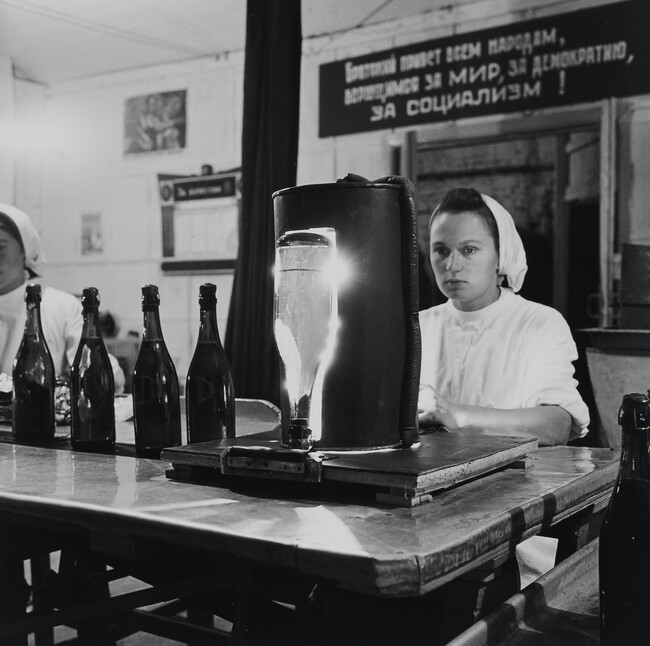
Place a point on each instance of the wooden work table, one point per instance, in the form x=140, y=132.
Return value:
x=373, y=564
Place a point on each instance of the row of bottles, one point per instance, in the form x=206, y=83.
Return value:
x=209, y=392
x=156, y=399
x=624, y=550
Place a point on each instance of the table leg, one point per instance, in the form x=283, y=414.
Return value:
x=40, y=570
x=575, y=532
x=14, y=591
x=352, y=618
x=275, y=608
x=80, y=568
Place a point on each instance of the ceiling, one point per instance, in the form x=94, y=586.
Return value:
x=50, y=41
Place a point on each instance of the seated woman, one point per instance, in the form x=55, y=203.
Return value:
x=20, y=260
x=493, y=361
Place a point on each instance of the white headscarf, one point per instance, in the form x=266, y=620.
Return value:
x=512, y=257
x=29, y=236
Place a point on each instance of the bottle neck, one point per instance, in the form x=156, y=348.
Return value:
x=33, y=322
x=208, y=330
x=152, y=330
x=91, y=327
x=634, y=455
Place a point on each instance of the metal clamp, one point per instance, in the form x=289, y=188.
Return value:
x=278, y=464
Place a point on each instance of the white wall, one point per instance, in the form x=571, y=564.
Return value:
x=6, y=122
x=87, y=172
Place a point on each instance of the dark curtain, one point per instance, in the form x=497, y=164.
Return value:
x=269, y=157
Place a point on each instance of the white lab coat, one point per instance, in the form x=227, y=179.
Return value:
x=511, y=354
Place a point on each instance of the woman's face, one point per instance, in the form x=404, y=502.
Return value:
x=12, y=263
x=464, y=260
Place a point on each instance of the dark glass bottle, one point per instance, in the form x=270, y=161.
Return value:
x=209, y=392
x=624, y=551
x=156, y=401
x=92, y=389
x=33, y=378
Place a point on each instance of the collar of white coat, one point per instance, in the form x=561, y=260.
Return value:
x=485, y=314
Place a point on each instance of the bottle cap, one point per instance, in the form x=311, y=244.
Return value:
x=150, y=297
x=33, y=293
x=90, y=299
x=635, y=411
x=207, y=295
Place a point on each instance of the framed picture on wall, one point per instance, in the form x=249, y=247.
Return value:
x=154, y=122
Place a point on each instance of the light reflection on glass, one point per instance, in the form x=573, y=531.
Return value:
x=307, y=275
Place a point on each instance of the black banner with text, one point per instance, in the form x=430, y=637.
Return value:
x=569, y=58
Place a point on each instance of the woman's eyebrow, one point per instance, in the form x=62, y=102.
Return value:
x=462, y=242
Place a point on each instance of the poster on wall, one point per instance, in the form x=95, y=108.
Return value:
x=92, y=240
x=155, y=122
x=569, y=58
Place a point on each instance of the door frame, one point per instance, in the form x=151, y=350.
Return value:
x=553, y=122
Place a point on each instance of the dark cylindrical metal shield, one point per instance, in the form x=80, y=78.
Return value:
x=363, y=384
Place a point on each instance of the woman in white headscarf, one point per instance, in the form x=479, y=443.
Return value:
x=493, y=361
x=20, y=262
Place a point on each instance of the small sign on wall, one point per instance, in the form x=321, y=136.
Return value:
x=92, y=240
x=155, y=122
x=200, y=222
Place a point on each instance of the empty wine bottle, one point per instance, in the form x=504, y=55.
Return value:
x=209, y=392
x=33, y=377
x=624, y=550
x=92, y=390
x=156, y=401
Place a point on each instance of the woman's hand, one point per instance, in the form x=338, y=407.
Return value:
x=550, y=425
x=434, y=409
